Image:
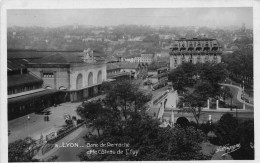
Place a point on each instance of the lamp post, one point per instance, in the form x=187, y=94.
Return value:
x=244, y=107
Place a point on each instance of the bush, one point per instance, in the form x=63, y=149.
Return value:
x=68, y=122
x=229, y=131
x=79, y=121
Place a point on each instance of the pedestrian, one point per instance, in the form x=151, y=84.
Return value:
x=165, y=102
x=154, y=114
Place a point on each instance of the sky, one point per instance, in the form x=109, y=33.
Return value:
x=210, y=17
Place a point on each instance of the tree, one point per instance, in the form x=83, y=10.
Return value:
x=192, y=103
x=240, y=65
x=18, y=150
x=246, y=140
x=125, y=121
x=188, y=74
x=225, y=93
x=96, y=116
x=231, y=132
x=204, y=90
x=230, y=95
x=178, y=79
x=152, y=142
x=124, y=97
x=214, y=74
x=90, y=110
x=227, y=130
x=123, y=102
x=189, y=69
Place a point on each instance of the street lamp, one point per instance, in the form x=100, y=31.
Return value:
x=244, y=96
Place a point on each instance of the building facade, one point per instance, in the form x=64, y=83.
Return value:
x=158, y=77
x=196, y=50
x=143, y=58
x=114, y=72
x=136, y=70
x=25, y=92
x=79, y=75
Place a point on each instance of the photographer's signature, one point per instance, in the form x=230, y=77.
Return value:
x=228, y=149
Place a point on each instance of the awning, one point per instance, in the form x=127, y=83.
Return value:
x=28, y=97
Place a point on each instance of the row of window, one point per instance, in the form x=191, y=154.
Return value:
x=199, y=45
x=196, y=43
x=48, y=75
x=113, y=72
x=198, y=60
x=23, y=89
x=144, y=59
x=196, y=56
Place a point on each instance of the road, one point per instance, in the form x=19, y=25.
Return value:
x=154, y=109
x=71, y=152
x=237, y=91
x=215, y=114
x=22, y=128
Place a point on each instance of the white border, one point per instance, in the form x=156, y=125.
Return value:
x=81, y=4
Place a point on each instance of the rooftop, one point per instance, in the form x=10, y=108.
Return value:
x=58, y=57
x=129, y=65
x=17, y=80
x=112, y=66
x=195, y=39
x=16, y=64
x=35, y=56
x=117, y=75
x=31, y=95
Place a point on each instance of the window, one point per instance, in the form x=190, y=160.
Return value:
x=48, y=75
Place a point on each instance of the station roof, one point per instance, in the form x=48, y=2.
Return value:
x=18, y=80
x=58, y=57
x=16, y=64
x=34, y=56
x=31, y=96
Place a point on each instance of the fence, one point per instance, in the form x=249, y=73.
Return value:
x=50, y=143
x=160, y=98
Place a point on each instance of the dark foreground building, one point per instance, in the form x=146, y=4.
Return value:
x=25, y=92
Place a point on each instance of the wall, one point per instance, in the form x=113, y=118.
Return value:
x=60, y=79
x=195, y=59
x=85, y=70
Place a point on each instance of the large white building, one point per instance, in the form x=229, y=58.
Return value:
x=143, y=58
x=79, y=74
x=196, y=50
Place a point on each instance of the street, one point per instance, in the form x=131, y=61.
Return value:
x=22, y=127
x=70, y=153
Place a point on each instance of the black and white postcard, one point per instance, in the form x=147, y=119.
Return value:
x=129, y=80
